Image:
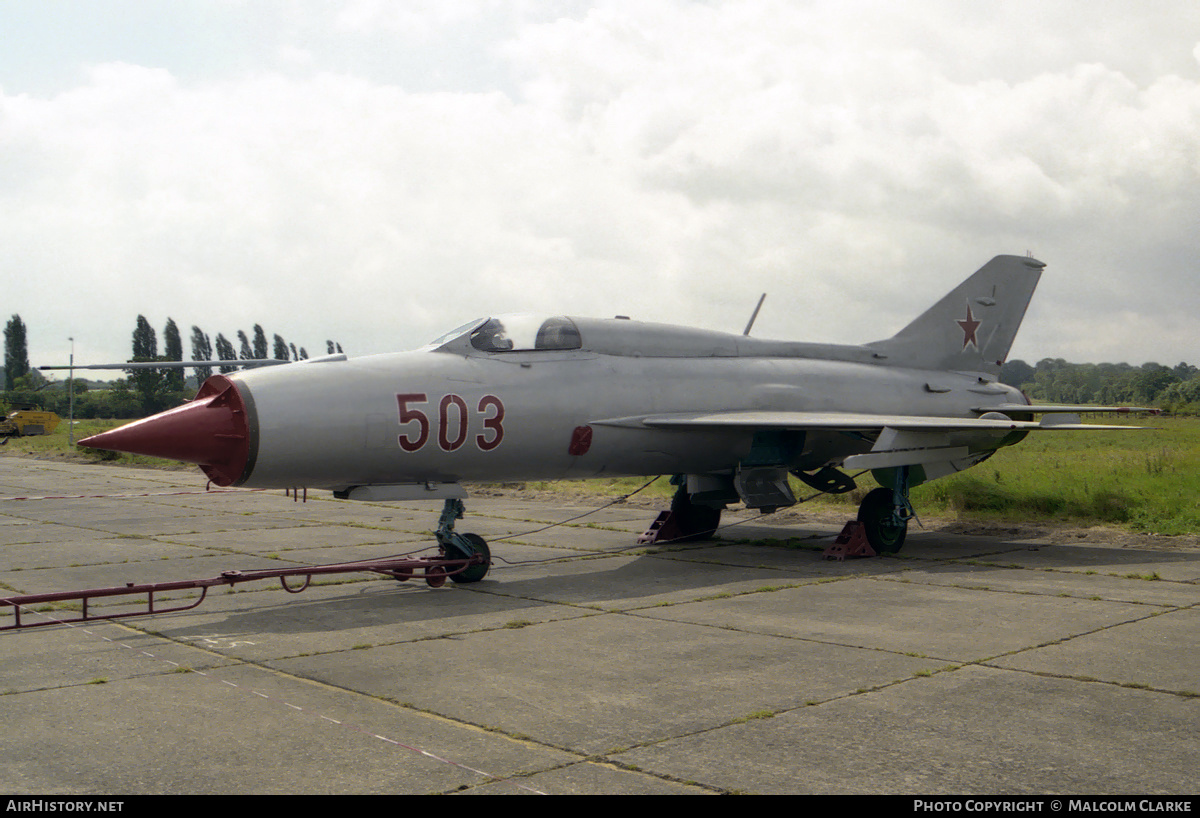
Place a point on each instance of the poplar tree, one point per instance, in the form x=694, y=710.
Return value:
x=260, y=342
x=16, y=352
x=148, y=383
x=225, y=353
x=145, y=341
x=172, y=351
x=202, y=350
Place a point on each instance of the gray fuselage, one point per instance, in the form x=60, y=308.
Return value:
x=450, y=413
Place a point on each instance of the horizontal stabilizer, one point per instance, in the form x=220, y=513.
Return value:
x=1072, y=408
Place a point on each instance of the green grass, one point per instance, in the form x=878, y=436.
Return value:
x=1145, y=480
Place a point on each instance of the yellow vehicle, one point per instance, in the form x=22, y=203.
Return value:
x=28, y=421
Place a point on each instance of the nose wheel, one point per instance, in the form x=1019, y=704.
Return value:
x=455, y=546
x=476, y=570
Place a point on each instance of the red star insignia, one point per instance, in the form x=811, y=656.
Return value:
x=968, y=327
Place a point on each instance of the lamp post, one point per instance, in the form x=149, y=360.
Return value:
x=71, y=398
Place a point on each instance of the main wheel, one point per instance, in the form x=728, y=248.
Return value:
x=472, y=573
x=695, y=521
x=877, y=512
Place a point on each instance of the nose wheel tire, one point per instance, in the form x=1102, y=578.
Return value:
x=472, y=573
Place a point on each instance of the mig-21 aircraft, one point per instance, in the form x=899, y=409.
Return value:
x=512, y=398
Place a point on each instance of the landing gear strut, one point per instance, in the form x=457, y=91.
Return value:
x=694, y=521
x=457, y=546
x=885, y=514
x=687, y=521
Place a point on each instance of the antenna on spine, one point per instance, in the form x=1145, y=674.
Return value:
x=761, y=299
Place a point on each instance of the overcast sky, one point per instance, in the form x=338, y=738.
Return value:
x=378, y=172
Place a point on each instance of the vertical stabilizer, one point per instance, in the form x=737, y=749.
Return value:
x=971, y=329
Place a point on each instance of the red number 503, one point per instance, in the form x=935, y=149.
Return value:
x=452, y=433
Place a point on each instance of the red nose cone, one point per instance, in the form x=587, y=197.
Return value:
x=211, y=431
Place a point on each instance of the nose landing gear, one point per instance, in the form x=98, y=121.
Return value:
x=455, y=546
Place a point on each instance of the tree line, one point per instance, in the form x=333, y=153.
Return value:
x=144, y=391
x=1052, y=380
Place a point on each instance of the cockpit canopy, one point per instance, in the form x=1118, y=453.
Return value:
x=524, y=333
x=515, y=333
x=518, y=333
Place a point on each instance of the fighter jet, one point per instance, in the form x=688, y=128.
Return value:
x=523, y=397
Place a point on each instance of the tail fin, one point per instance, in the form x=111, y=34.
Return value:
x=972, y=328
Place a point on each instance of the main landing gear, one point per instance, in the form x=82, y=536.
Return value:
x=694, y=521
x=885, y=513
x=687, y=521
x=455, y=546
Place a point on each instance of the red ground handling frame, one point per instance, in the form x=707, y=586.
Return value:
x=435, y=570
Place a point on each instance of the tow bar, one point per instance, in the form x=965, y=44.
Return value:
x=434, y=570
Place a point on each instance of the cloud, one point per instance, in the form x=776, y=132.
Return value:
x=868, y=149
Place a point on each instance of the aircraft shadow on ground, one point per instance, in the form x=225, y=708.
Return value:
x=615, y=581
